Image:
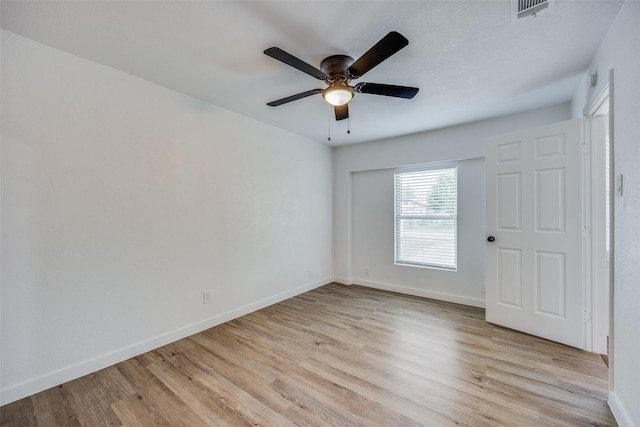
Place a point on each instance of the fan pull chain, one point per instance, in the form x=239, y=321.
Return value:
x=329, y=124
x=348, y=125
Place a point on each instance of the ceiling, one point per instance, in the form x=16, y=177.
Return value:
x=468, y=58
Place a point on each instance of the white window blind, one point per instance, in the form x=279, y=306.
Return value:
x=426, y=218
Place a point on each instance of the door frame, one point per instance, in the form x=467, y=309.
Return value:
x=595, y=303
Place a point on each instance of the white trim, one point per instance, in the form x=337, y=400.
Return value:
x=398, y=179
x=342, y=280
x=599, y=274
x=599, y=105
x=440, y=296
x=619, y=413
x=27, y=388
x=612, y=218
x=587, y=242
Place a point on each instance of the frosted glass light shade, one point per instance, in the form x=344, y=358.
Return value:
x=337, y=94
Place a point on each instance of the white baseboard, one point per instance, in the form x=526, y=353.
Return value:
x=342, y=280
x=440, y=296
x=27, y=388
x=619, y=413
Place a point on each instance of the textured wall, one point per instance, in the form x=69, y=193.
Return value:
x=372, y=229
x=619, y=52
x=122, y=201
x=455, y=143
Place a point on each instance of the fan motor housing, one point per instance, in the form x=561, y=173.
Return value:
x=336, y=64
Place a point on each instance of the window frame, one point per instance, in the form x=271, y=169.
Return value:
x=427, y=217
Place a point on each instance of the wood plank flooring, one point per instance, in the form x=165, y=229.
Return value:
x=338, y=355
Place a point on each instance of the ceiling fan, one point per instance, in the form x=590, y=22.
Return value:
x=337, y=71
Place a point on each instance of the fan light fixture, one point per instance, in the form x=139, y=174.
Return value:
x=337, y=71
x=338, y=93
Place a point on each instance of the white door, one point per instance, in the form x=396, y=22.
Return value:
x=534, y=268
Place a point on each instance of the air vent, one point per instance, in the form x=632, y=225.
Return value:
x=524, y=8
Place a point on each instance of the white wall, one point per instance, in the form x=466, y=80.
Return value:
x=122, y=201
x=620, y=51
x=372, y=230
x=360, y=176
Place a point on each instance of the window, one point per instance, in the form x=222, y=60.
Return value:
x=426, y=217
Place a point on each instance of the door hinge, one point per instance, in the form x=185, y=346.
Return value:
x=586, y=317
x=586, y=232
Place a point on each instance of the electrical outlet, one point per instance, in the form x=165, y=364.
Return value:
x=207, y=297
x=310, y=274
x=366, y=271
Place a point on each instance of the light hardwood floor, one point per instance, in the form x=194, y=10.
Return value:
x=338, y=355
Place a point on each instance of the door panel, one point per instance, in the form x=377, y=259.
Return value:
x=550, y=284
x=510, y=277
x=550, y=198
x=534, y=277
x=509, y=201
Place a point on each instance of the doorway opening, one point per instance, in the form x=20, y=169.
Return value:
x=601, y=224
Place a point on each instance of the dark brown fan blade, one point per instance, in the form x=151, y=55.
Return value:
x=387, y=46
x=342, y=111
x=293, y=97
x=287, y=58
x=387, y=90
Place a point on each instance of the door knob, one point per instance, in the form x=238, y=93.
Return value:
x=491, y=239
